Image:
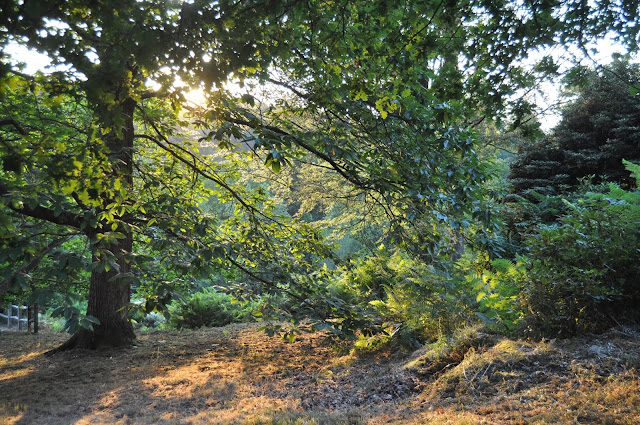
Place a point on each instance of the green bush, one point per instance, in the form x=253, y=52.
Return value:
x=584, y=272
x=581, y=273
x=209, y=308
x=153, y=320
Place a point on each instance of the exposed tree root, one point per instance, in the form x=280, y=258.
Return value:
x=98, y=338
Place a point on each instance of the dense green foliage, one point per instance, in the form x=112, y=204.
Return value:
x=113, y=183
x=585, y=272
x=209, y=308
x=578, y=274
x=579, y=240
x=410, y=301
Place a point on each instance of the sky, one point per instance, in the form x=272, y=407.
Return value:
x=34, y=61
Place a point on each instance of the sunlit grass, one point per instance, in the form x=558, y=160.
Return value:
x=239, y=376
x=15, y=367
x=11, y=413
x=304, y=418
x=13, y=374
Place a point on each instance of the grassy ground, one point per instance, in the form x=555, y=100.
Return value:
x=238, y=375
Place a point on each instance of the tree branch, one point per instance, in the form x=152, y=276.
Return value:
x=4, y=285
x=15, y=125
x=64, y=218
x=340, y=170
x=193, y=165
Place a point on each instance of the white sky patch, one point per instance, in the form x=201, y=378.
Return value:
x=196, y=96
x=33, y=60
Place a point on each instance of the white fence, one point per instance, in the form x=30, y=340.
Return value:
x=20, y=318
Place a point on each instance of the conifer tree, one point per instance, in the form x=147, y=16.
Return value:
x=597, y=131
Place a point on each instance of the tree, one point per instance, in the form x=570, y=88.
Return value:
x=83, y=180
x=372, y=91
x=597, y=131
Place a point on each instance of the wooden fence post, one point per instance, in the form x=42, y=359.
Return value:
x=36, y=323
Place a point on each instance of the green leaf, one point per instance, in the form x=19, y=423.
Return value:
x=92, y=319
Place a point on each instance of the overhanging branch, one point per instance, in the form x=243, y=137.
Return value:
x=334, y=165
x=193, y=164
x=4, y=285
x=64, y=218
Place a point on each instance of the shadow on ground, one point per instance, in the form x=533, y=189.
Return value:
x=238, y=375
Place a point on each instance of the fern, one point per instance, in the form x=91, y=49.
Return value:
x=497, y=293
x=634, y=169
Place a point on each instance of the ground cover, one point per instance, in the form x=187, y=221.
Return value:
x=239, y=375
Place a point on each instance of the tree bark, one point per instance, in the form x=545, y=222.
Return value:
x=109, y=296
x=36, y=318
x=110, y=290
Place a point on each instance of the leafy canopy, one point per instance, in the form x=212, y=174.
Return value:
x=384, y=94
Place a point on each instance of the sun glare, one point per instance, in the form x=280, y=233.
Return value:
x=195, y=96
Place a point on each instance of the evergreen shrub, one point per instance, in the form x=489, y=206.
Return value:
x=598, y=129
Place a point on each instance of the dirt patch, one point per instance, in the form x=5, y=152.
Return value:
x=238, y=375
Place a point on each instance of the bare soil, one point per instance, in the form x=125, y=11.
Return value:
x=239, y=375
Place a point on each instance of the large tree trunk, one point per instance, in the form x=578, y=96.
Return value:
x=110, y=291
x=109, y=296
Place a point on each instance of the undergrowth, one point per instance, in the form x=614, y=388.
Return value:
x=210, y=308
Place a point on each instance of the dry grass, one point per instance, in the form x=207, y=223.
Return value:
x=238, y=375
